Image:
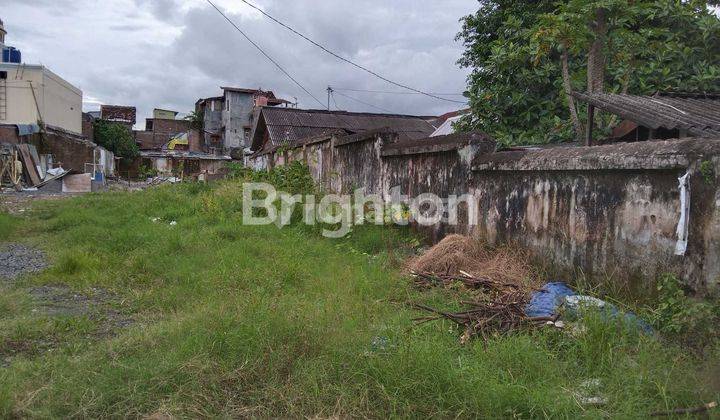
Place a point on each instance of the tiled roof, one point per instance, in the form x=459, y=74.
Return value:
x=118, y=113
x=290, y=125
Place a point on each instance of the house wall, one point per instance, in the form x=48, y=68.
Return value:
x=163, y=114
x=169, y=126
x=59, y=103
x=212, y=122
x=605, y=211
x=149, y=140
x=237, y=117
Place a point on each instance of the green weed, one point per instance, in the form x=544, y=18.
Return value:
x=257, y=321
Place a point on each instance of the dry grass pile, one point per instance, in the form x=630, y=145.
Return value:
x=457, y=254
x=501, y=281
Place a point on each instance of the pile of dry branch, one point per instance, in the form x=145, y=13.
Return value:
x=501, y=282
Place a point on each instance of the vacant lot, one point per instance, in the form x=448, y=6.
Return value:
x=137, y=316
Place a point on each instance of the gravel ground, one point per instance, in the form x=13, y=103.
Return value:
x=19, y=203
x=18, y=259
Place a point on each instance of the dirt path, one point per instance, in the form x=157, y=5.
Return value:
x=19, y=203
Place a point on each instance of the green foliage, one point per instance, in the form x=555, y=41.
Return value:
x=145, y=172
x=692, y=321
x=293, y=178
x=707, y=170
x=197, y=120
x=116, y=138
x=254, y=321
x=514, y=48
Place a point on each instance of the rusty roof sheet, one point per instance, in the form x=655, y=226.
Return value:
x=698, y=114
x=289, y=125
x=118, y=113
x=438, y=144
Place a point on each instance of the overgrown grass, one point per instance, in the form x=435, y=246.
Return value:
x=237, y=320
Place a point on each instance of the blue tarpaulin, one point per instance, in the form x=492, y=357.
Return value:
x=547, y=300
x=547, y=303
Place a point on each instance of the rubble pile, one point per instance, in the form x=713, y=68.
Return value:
x=23, y=169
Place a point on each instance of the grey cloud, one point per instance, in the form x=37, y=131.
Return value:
x=407, y=40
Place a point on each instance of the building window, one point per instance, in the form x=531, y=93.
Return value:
x=3, y=75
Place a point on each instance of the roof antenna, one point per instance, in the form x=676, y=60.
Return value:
x=329, y=91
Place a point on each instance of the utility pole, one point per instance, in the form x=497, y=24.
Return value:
x=329, y=91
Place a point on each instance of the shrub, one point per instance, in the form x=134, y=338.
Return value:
x=678, y=316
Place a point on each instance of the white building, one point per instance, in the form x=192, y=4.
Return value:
x=32, y=93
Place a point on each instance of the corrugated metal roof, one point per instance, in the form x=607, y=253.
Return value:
x=289, y=125
x=698, y=114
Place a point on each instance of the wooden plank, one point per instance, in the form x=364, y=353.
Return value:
x=29, y=165
x=80, y=183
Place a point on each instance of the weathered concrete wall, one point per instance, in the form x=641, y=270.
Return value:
x=608, y=211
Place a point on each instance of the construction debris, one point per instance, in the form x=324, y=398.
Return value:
x=23, y=169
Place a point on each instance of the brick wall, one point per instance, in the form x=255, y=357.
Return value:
x=169, y=126
x=69, y=150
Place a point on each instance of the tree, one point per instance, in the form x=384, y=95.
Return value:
x=116, y=138
x=197, y=119
x=527, y=57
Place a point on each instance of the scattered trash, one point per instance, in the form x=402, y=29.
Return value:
x=173, y=223
x=555, y=297
x=547, y=300
x=505, y=300
x=680, y=411
x=588, y=393
x=379, y=343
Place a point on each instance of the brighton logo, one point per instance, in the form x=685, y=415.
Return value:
x=263, y=204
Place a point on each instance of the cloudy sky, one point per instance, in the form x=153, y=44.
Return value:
x=169, y=53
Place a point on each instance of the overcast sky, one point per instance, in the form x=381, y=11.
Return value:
x=169, y=53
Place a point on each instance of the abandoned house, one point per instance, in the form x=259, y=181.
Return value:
x=228, y=119
x=275, y=127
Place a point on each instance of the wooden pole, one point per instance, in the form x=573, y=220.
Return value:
x=590, y=125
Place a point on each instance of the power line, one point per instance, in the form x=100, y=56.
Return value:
x=363, y=102
x=396, y=92
x=264, y=53
x=345, y=59
x=332, y=95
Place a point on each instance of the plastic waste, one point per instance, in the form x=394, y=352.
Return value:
x=547, y=303
x=547, y=300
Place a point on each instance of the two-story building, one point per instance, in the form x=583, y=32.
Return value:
x=228, y=119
